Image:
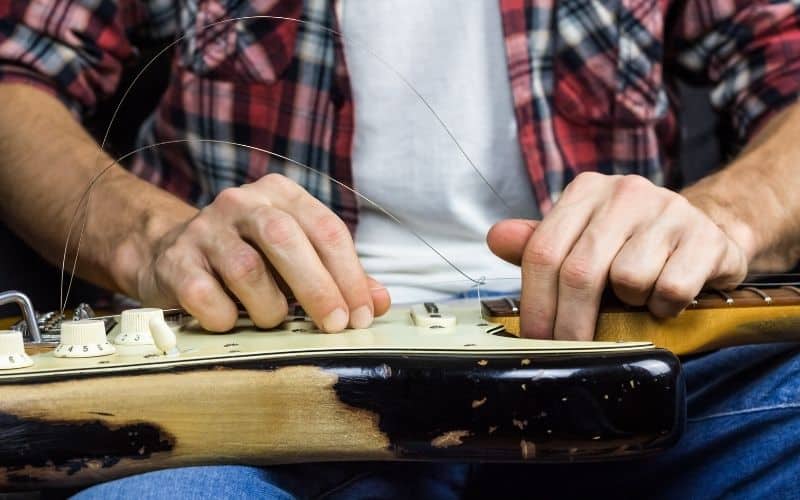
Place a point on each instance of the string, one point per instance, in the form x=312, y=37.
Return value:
x=63, y=298
x=363, y=197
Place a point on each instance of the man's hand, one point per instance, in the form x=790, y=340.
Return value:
x=257, y=243
x=650, y=244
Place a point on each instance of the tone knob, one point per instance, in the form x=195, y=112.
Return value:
x=12, y=351
x=83, y=339
x=135, y=326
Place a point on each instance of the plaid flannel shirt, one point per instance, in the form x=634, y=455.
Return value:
x=587, y=77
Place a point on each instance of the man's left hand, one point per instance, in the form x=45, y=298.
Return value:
x=649, y=243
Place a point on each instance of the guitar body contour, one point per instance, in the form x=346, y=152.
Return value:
x=396, y=391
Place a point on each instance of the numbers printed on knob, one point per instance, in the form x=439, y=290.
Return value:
x=83, y=351
x=12, y=351
x=83, y=339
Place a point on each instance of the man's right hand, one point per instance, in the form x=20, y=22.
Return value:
x=258, y=243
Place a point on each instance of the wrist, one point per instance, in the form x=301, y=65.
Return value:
x=134, y=251
x=722, y=205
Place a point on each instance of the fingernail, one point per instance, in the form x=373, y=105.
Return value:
x=335, y=321
x=361, y=317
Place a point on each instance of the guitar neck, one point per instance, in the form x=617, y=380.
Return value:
x=715, y=319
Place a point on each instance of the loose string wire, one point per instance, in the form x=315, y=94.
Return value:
x=377, y=206
x=85, y=198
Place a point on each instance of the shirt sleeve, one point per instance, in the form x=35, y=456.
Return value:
x=749, y=50
x=73, y=49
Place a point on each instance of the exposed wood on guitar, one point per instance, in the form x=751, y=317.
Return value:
x=528, y=449
x=295, y=408
x=695, y=330
x=448, y=439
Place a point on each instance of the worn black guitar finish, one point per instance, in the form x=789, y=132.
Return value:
x=397, y=391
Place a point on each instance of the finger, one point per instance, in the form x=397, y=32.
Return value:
x=279, y=236
x=181, y=275
x=732, y=269
x=583, y=276
x=636, y=267
x=333, y=242
x=243, y=271
x=684, y=275
x=541, y=262
x=626, y=210
x=201, y=295
x=507, y=239
x=380, y=296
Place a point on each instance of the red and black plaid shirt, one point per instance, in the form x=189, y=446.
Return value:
x=587, y=76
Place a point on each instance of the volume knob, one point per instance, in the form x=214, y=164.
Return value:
x=135, y=326
x=12, y=351
x=83, y=339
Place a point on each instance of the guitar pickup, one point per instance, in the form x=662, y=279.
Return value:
x=430, y=315
x=298, y=320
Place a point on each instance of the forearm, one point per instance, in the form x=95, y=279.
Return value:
x=47, y=161
x=755, y=199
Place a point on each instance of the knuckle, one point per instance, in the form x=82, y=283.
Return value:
x=579, y=274
x=229, y=198
x=170, y=256
x=196, y=293
x=674, y=291
x=331, y=230
x=198, y=226
x=279, y=183
x=584, y=180
x=541, y=256
x=245, y=265
x=677, y=203
x=587, y=177
x=629, y=279
x=632, y=184
x=278, y=228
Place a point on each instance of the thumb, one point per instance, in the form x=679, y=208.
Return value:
x=507, y=239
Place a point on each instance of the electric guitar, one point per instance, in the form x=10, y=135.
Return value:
x=103, y=398
x=96, y=399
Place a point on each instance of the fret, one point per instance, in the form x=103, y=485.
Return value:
x=744, y=296
x=792, y=288
x=512, y=304
x=760, y=293
x=725, y=295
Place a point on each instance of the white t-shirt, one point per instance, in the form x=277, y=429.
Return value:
x=452, y=52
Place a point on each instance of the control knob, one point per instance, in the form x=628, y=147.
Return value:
x=135, y=326
x=85, y=338
x=12, y=351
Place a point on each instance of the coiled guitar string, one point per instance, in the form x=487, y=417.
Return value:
x=83, y=203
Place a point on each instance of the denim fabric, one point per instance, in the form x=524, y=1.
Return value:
x=742, y=441
x=330, y=481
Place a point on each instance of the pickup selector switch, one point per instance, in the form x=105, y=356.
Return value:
x=12, y=351
x=85, y=338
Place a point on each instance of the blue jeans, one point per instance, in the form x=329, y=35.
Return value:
x=742, y=441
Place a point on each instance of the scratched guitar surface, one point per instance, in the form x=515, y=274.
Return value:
x=394, y=391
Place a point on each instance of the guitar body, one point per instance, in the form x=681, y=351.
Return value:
x=397, y=391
